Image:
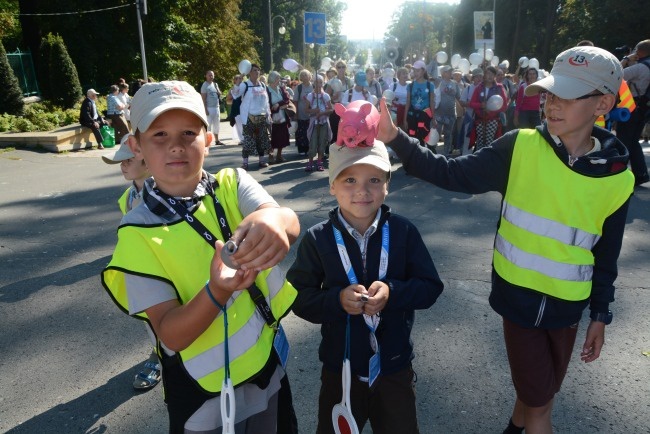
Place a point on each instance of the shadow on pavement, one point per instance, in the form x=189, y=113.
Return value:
x=80, y=414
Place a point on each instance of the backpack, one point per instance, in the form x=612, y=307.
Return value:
x=642, y=101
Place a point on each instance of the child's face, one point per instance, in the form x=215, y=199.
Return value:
x=134, y=170
x=174, y=147
x=572, y=120
x=360, y=190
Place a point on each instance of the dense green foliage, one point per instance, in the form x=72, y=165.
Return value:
x=58, y=74
x=11, y=97
x=39, y=117
x=538, y=29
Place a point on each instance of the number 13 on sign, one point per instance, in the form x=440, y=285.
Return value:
x=315, y=28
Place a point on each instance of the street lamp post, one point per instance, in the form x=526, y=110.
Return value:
x=282, y=30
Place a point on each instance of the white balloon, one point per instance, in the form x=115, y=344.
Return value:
x=473, y=67
x=505, y=64
x=433, y=138
x=494, y=61
x=494, y=103
x=244, y=66
x=475, y=59
x=389, y=95
x=441, y=57
x=290, y=65
x=335, y=84
x=533, y=63
x=454, y=60
x=489, y=54
x=463, y=65
x=523, y=62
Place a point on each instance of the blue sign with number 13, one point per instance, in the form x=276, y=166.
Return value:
x=315, y=28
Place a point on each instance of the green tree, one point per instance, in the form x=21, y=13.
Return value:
x=63, y=87
x=291, y=43
x=421, y=29
x=11, y=97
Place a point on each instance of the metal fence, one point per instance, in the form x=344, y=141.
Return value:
x=23, y=66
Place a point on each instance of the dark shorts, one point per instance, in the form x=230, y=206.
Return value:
x=389, y=405
x=538, y=359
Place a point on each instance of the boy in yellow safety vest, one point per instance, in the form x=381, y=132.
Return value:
x=566, y=190
x=168, y=270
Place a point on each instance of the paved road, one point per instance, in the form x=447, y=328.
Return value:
x=68, y=356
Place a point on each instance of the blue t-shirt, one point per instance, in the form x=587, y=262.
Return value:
x=420, y=95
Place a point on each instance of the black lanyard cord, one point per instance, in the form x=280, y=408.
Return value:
x=255, y=293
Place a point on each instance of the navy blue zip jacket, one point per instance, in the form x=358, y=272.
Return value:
x=319, y=277
x=488, y=170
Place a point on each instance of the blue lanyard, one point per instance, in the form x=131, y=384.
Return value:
x=371, y=321
x=345, y=258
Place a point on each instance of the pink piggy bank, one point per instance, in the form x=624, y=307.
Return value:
x=359, y=124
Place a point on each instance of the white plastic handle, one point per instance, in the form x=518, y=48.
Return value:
x=228, y=407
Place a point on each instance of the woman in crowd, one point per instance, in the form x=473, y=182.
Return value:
x=527, y=107
x=420, y=104
x=301, y=91
x=115, y=112
x=486, y=120
x=278, y=100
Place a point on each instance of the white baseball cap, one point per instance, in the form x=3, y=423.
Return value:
x=579, y=71
x=342, y=157
x=123, y=153
x=154, y=99
x=419, y=65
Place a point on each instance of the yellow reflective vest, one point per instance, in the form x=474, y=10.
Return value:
x=551, y=218
x=176, y=254
x=123, y=201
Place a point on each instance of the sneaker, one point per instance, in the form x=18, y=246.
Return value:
x=244, y=166
x=100, y=146
x=319, y=166
x=309, y=168
x=263, y=164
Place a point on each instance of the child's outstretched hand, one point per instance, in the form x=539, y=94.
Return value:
x=378, y=294
x=387, y=130
x=264, y=237
x=352, y=297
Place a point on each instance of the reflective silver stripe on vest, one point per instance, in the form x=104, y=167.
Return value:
x=240, y=342
x=548, y=267
x=548, y=228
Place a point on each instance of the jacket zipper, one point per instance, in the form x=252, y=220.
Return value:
x=540, y=312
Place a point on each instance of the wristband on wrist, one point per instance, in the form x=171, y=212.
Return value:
x=214, y=300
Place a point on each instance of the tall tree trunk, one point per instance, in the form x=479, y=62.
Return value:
x=549, y=33
x=515, y=39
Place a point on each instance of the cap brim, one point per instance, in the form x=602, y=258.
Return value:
x=559, y=85
x=147, y=120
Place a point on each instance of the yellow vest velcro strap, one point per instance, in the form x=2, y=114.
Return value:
x=548, y=228
x=548, y=267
